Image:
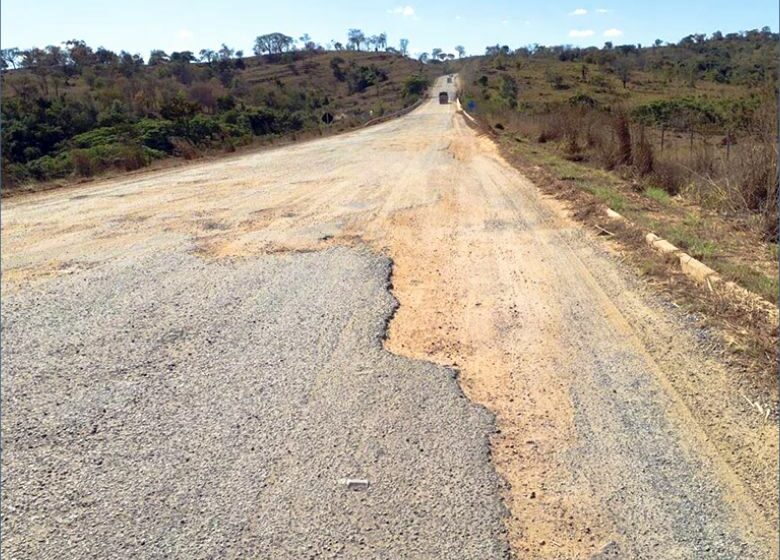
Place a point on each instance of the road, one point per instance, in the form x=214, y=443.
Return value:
x=195, y=358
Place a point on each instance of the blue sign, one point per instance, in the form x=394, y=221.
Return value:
x=471, y=105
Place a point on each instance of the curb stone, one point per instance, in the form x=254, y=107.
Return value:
x=690, y=266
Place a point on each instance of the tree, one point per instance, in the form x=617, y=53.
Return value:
x=403, y=46
x=10, y=56
x=623, y=68
x=225, y=52
x=435, y=52
x=382, y=40
x=415, y=85
x=338, y=46
x=81, y=54
x=105, y=56
x=356, y=38
x=509, y=90
x=185, y=57
x=207, y=55
x=56, y=57
x=273, y=43
x=129, y=64
x=608, y=46
x=423, y=58
x=156, y=57
x=461, y=50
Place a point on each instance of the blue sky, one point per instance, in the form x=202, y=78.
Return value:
x=141, y=25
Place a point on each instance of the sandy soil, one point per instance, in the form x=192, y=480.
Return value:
x=619, y=435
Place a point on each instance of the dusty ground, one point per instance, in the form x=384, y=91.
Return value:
x=619, y=435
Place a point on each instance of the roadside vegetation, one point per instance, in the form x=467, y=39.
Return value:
x=76, y=111
x=680, y=138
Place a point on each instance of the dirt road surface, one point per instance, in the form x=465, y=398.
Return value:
x=194, y=358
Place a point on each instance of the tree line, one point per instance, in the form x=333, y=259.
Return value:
x=743, y=58
x=74, y=109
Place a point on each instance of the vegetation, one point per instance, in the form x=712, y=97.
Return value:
x=697, y=118
x=77, y=111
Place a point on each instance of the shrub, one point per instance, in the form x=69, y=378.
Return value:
x=643, y=155
x=509, y=90
x=670, y=176
x=416, y=84
x=201, y=129
x=623, y=133
x=84, y=163
x=96, y=137
x=47, y=167
x=156, y=133
x=184, y=148
x=14, y=174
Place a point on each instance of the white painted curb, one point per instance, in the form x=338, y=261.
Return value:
x=691, y=267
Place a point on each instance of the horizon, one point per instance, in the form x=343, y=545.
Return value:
x=575, y=24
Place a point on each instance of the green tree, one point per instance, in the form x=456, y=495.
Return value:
x=509, y=90
x=157, y=57
x=10, y=56
x=356, y=38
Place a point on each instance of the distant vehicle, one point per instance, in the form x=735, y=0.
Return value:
x=444, y=98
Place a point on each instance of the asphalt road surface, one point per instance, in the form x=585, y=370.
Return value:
x=196, y=360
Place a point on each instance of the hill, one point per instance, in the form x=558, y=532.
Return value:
x=681, y=138
x=81, y=112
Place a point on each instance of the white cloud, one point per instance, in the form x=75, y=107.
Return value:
x=406, y=11
x=578, y=12
x=185, y=34
x=581, y=33
x=613, y=33
x=603, y=11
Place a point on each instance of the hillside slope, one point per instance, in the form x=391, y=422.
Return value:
x=62, y=121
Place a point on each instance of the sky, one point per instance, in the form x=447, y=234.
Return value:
x=171, y=25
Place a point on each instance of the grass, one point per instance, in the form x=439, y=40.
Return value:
x=686, y=239
x=659, y=195
x=608, y=196
x=703, y=236
x=755, y=281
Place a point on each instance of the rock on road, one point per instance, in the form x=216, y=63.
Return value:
x=193, y=359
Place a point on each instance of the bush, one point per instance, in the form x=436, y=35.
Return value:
x=49, y=167
x=623, y=132
x=643, y=155
x=156, y=133
x=670, y=176
x=14, y=174
x=202, y=129
x=416, y=84
x=96, y=137
x=84, y=162
x=184, y=148
x=128, y=156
